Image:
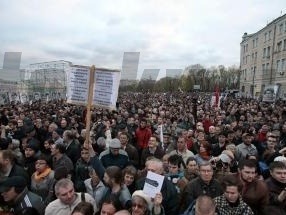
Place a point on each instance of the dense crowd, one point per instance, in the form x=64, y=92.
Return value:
x=223, y=159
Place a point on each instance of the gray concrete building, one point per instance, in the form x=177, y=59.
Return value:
x=263, y=59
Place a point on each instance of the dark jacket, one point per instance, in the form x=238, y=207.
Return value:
x=169, y=193
x=198, y=187
x=73, y=152
x=275, y=188
x=159, y=153
x=132, y=154
x=19, y=171
x=108, y=159
x=255, y=194
x=28, y=199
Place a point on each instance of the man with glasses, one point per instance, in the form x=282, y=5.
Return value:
x=205, y=184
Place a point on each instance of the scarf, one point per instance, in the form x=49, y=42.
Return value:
x=40, y=176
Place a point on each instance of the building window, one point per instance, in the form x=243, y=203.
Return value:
x=284, y=45
x=269, y=35
x=268, y=52
x=263, y=69
x=264, y=52
x=265, y=37
x=283, y=65
x=281, y=28
x=278, y=66
x=246, y=47
x=253, y=43
x=255, y=57
x=256, y=42
x=266, y=68
x=252, y=57
x=279, y=46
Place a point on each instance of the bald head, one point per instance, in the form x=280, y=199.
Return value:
x=205, y=205
x=122, y=212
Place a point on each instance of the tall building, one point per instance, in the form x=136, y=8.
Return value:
x=262, y=58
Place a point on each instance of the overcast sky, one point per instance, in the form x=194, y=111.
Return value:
x=169, y=34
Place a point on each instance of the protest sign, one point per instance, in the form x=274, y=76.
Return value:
x=153, y=184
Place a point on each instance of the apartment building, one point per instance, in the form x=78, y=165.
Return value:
x=263, y=58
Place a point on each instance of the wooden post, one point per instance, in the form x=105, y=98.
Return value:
x=89, y=104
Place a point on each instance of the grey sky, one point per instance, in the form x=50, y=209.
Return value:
x=169, y=34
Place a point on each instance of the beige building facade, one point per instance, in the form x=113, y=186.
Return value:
x=263, y=59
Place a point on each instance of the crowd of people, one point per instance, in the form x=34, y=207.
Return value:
x=223, y=159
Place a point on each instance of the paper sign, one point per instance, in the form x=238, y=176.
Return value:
x=106, y=84
x=78, y=85
x=153, y=184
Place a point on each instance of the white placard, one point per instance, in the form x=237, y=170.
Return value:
x=78, y=85
x=153, y=184
x=106, y=84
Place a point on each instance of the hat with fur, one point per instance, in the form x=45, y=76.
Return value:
x=144, y=196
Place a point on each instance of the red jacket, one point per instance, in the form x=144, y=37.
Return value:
x=142, y=137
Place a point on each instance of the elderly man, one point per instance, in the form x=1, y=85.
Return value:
x=114, y=155
x=17, y=196
x=72, y=147
x=168, y=190
x=67, y=199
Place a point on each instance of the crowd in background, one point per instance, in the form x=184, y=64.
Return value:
x=230, y=155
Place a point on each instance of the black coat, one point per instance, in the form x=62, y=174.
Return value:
x=196, y=188
x=169, y=193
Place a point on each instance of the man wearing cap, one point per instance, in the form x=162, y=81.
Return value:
x=246, y=147
x=16, y=194
x=32, y=152
x=114, y=155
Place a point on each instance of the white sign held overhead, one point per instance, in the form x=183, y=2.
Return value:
x=78, y=85
x=106, y=84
